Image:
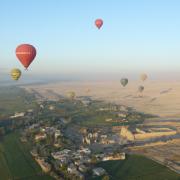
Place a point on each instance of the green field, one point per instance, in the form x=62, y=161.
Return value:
x=16, y=161
x=14, y=99
x=137, y=167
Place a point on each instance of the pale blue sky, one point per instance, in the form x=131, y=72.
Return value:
x=137, y=36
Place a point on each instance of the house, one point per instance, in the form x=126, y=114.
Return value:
x=86, y=140
x=108, y=119
x=117, y=156
x=86, y=101
x=122, y=114
x=30, y=110
x=57, y=133
x=85, y=151
x=123, y=108
x=16, y=115
x=57, y=144
x=23, y=139
x=82, y=168
x=61, y=154
x=72, y=169
x=40, y=136
x=86, y=159
x=46, y=167
x=104, y=136
x=34, y=153
x=126, y=133
x=78, y=162
x=51, y=107
x=33, y=126
x=41, y=106
x=99, y=171
x=79, y=175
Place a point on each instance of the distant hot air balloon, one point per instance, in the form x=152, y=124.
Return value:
x=99, y=23
x=143, y=77
x=88, y=90
x=26, y=54
x=71, y=95
x=141, y=89
x=124, y=81
x=15, y=74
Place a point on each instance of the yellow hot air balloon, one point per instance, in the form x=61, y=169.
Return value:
x=143, y=77
x=71, y=95
x=15, y=74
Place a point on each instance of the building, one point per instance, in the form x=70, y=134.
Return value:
x=85, y=151
x=126, y=133
x=51, y=107
x=46, y=167
x=16, y=115
x=33, y=126
x=34, y=153
x=117, y=156
x=122, y=114
x=40, y=136
x=82, y=168
x=57, y=133
x=99, y=171
x=72, y=169
x=61, y=154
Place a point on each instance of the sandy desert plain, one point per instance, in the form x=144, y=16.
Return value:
x=161, y=98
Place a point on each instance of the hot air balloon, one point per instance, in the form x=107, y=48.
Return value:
x=141, y=89
x=143, y=77
x=124, y=81
x=99, y=23
x=88, y=90
x=15, y=74
x=26, y=54
x=71, y=95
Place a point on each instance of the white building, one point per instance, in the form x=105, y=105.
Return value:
x=99, y=171
x=118, y=156
x=16, y=115
x=40, y=136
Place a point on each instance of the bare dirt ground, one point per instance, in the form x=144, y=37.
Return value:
x=164, y=153
x=160, y=98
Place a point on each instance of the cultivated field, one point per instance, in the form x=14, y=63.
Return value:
x=16, y=161
x=137, y=167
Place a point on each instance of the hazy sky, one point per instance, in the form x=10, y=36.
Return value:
x=137, y=36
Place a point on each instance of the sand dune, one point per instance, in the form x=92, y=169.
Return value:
x=160, y=98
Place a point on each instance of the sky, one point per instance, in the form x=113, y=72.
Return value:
x=137, y=36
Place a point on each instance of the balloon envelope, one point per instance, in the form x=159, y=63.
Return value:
x=124, y=81
x=143, y=77
x=26, y=54
x=99, y=23
x=71, y=95
x=141, y=89
x=15, y=74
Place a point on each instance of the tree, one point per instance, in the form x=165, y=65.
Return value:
x=2, y=131
x=94, y=159
x=106, y=177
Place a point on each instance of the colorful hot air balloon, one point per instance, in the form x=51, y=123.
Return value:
x=141, y=89
x=71, y=95
x=124, y=81
x=143, y=77
x=99, y=23
x=15, y=74
x=26, y=54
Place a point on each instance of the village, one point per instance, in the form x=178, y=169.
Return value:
x=71, y=151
